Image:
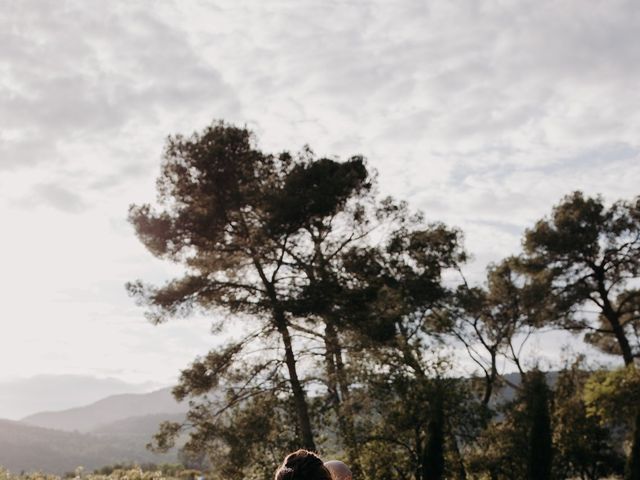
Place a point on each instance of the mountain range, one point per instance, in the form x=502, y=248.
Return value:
x=23, y=396
x=116, y=408
x=112, y=430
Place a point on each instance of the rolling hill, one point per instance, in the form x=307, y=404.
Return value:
x=115, y=429
x=144, y=426
x=112, y=409
x=23, y=396
x=28, y=448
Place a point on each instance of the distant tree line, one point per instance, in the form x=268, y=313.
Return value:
x=350, y=312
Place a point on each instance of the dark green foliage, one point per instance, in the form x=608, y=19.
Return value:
x=314, y=191
x=401, y=280
x=247, y=440
x=613, y=394
x=584, y=444
x=214, y=217
x=397, y=284
x=518, y=444
x=243, y=425
x=587, y=254
x=418, y=423
x=613, y=397
x=540, y=449
x=207, y=182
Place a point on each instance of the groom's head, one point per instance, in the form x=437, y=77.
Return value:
x=339, y=471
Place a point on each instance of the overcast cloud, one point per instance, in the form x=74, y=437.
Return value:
x=482, y=114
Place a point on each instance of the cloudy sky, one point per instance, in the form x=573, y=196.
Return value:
x=482, y=114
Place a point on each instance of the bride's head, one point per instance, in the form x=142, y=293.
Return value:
x=302, y=465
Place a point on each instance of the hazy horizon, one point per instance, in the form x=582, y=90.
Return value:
x=21, y=397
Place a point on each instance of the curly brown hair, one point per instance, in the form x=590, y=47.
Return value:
x=302, y=465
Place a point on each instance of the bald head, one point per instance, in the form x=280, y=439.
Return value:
x=338, y=470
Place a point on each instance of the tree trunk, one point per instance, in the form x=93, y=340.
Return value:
x=433, y=461
x=632, y=468
x=613, y=317
x=299, y=397
x=618, y=331
x=461, y=471
x=339, y=392
x=330, y=366
x=490, y=380
x=540, y=434
x=338, y=384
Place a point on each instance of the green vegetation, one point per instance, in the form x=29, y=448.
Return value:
x=350, y=306
x=114, y=472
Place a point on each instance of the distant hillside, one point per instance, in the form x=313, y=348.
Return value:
x=115, y=429
x=25, y=396
x=506, y=392
x=143, y=427
x=109, y=410
x=28, y=448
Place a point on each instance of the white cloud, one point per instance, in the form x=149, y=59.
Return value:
x=482, y=114
x=55, y=196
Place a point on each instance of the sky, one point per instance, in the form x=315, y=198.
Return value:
x=481, y=114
